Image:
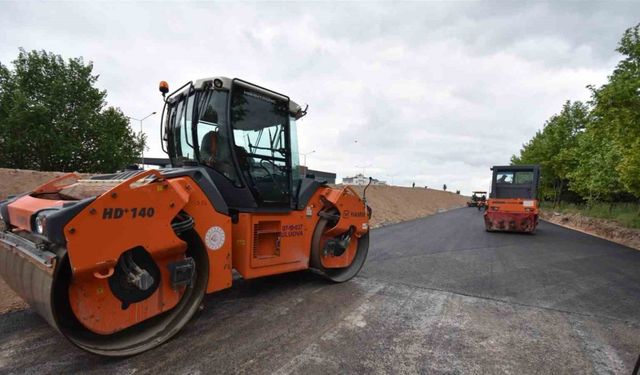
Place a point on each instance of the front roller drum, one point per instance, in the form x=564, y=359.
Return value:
x=30, y=279
x=46, y=289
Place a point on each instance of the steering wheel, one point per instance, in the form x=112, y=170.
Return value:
x=273, y=177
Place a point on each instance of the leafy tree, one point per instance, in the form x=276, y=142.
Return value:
x=554, y=148
x=594, y=150
x=617, y=109
x=53, y=118
x=596, y=177
x=444, y=187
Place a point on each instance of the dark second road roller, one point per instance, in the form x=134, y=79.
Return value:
x=513, y=203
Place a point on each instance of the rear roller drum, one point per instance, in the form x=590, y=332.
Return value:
x=325, y=250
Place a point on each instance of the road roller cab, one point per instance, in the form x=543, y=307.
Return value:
x=513, y=203
x=119, y=263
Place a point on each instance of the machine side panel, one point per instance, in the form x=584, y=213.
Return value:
x=123, y=218
x=272, y=243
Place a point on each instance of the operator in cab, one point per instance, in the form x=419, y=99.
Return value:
x=211, y=147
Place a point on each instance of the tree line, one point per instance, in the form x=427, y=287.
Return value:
x=590, y=151
x=53, y=118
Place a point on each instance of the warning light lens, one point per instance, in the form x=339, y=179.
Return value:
x=217, y=83
x=164, y=87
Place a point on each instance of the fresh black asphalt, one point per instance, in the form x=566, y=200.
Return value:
x=553, y=268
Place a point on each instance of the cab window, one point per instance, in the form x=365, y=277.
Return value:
x=260, y=130
x=213, y=135
x=524, y=178
x=504, y=178
x=180, y=117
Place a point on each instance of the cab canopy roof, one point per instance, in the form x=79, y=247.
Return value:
x=224, y=83
x=516, y=168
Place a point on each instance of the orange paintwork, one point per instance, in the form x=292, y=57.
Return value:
x=268, y=244
x=514, y=215
x=353, y=212
x=57, y=184
x=101, y=312
x=273, y=243
x=513, y=205
x=344, y=260
x=259, y=244
x=110, y=225
x=21, y=210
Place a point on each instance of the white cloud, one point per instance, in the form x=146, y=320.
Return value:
x=433, y=93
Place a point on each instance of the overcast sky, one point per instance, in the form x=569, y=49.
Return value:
x=432, y=92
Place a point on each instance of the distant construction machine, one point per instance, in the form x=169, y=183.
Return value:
x=513, y=203
x=478, y=199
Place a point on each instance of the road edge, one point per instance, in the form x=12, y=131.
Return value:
x=577, y=229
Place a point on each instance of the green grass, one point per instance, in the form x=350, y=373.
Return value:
x=625, y=214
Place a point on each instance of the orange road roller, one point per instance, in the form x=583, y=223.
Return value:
x=119, y=263
x=513, y=204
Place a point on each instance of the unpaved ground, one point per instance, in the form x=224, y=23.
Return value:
x=598, y=227
x=16, y=181
x=389, y=204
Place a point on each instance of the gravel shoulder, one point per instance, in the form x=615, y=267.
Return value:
x=602, y=228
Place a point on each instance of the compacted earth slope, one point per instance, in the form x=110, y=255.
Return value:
x=393, y=204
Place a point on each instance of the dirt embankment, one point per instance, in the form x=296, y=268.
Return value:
x=390, y=205
x=598, y=227
x=394, y=204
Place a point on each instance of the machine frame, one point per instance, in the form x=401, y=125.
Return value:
x=119, y=263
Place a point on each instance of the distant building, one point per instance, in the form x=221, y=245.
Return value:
x=360, y=179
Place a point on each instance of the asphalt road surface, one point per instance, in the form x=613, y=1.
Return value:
x=437, y=295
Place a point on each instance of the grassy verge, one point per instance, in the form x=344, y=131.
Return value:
x=625, y=214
